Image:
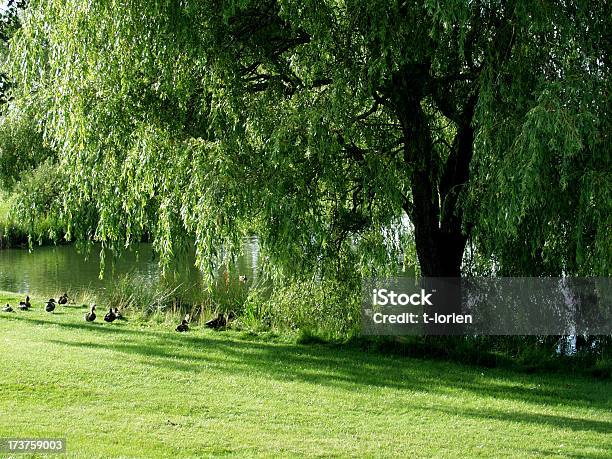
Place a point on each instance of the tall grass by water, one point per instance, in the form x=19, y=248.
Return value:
x=165, y=301
x=327, y=309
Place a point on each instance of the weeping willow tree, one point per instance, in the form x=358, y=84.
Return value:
x=322, y=125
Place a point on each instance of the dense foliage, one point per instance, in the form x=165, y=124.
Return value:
x=321, y=125
x=9, y=22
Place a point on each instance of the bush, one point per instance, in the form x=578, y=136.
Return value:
x=30, y=214
x=328, y=309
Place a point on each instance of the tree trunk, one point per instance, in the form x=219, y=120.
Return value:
x=440, y=241
x=435, y=186
x=434, y=211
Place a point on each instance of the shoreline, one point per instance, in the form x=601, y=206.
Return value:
x=457, y=350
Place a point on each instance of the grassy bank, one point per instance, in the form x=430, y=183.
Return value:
x=133, y=389
x=323, y=313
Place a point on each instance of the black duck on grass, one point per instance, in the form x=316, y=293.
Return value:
x=184, y=325
x=91, y=315
x=63, y=299
x=7, y=308
x=50, y=307
x=118, y=314
x=218, y=322
x=25, y=305
x=221, y=321
x=110, y=316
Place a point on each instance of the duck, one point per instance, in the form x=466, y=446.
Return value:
x=50, y=307
x=91, y=315
x=7, y=308
x=118, y=314
x=63, y=299
x=218, y=322
x=23, y=305
x=242, y=278
x=110, y=316
x=184, y=325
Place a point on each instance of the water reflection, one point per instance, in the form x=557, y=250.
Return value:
x=52, y=270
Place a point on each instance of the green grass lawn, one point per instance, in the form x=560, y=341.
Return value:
x=142, y=390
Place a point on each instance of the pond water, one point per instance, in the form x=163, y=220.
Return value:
x=56, y=269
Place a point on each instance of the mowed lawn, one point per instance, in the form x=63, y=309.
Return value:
x=134, y=390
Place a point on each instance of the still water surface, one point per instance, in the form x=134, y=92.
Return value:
x=53, y=270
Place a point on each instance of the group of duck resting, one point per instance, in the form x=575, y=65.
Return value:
x=111, y=315
x=221, y=321
x=26, y=305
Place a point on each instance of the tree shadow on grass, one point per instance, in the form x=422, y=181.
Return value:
x=286, y=365
x=563, y=422
x=558, y=452
x=345, y=368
